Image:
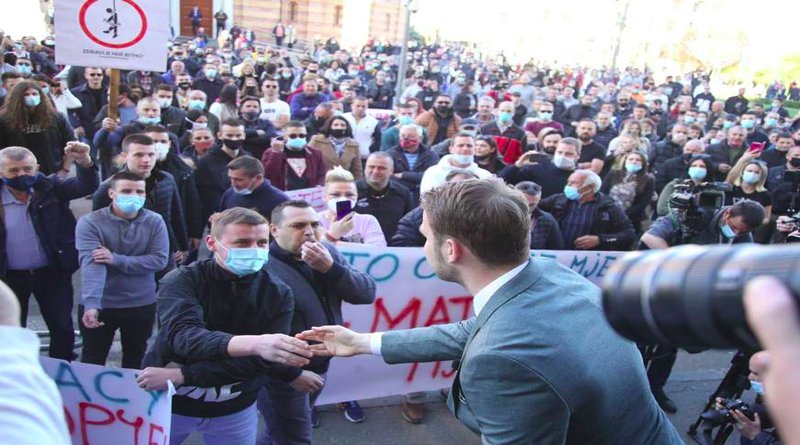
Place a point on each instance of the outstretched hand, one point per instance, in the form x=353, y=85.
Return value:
x=336, y=341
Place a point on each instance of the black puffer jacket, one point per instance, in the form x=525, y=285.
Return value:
x=408, y=234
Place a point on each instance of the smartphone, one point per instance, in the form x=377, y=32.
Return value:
x=343, y=208
x=756, y=147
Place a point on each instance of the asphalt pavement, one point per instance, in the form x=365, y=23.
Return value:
x=694, y=378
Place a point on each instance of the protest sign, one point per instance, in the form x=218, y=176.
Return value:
x=124, y=34
x=311, y=195
x=409, y=295
x=105, y=405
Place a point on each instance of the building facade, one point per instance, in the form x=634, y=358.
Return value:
x=351, y=22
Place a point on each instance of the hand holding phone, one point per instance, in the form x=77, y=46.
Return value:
x=343, y=208
x=756, y=147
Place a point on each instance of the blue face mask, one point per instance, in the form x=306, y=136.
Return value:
x=757, y=387
x=243, y=192
x=25, y=69
x=129, y=203
x=748, y=123
x=572, y=193
x=771, y=122
x=150, y=120
x=633, y=168
x=23, y=182
x=245, y=260
x=504, y=117
x=296, y=143
x=405, y=120
x=197, y=104
x=688, y=119
x=546, y=116
x=727, y=124
x=463, y=159
x=750, y=177
x=33, y=101
x=697, y=173
x=211, y=73
x=727, y=232
x=46, y=90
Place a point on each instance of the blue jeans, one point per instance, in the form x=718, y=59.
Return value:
x=287, y=414
x=234, y=429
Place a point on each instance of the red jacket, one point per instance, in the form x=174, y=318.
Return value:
x=276, y=168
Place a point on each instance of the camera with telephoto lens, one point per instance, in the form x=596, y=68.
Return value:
x=694, y=204
x=691, y=296
x=724, y=415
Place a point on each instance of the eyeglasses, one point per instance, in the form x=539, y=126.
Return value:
x=296, y=136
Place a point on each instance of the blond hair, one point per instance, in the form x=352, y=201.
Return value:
x=338, y=174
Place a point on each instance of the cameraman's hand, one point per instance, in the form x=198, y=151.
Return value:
x=772, y=314
x=784, y=226
x=747, y=428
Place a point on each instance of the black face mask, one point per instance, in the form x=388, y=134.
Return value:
x=184, y=85
x=232, y=144
x=250, y=115
x=338, y=133
x=795, y=162
x=443, y=109
x=483, y=158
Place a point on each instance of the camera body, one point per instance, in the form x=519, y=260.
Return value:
x=722, y=416
x=694, y=204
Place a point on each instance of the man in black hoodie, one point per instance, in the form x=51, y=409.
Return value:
x=223, y=330
x=212, y=169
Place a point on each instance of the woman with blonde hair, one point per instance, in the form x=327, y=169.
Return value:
x=340, y=224
x=748, y=177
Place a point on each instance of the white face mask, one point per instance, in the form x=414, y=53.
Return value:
x=162, y=150
x=563, y=162
x=164, y=102
x=463, y=159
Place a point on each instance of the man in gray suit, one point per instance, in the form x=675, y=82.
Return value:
x=539, y=363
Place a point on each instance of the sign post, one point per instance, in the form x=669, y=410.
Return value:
x=121, y=34
x=113, y=95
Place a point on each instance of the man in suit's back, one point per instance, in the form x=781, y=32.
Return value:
x=539, y=363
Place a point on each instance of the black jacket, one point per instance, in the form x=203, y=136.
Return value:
x=661, y=152
x=671, y=170
x=52, y=218
x=387, y=207
x=200, y=308
x=720, y=154
x=212, y=178
x=412, y=178
x=408, y=234
x=318, y=296
x=551, y=178
x=84, y=116
x=461, y=104
x=610, y=223
x=187, y=189
x=47, y=146
x=545, y=232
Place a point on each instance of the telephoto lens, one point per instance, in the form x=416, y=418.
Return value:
x=691, y=296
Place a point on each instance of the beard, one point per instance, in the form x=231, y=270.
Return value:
x=444, y=271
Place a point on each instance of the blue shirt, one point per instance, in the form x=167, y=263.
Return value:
x=23, y=247
x=577, y=221
x=412, y=159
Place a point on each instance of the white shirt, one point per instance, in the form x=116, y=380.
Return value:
x=478, y=302
x=271, y=111
x=29, y=400
x=362, y=132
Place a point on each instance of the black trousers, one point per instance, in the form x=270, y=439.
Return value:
x=53, y=292
x=135, y=325
x=658, y=361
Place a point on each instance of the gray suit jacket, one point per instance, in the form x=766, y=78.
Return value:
x=540, y=365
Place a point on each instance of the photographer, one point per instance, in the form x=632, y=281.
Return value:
x=753, y=431
x=728, y=225
x=784, y=183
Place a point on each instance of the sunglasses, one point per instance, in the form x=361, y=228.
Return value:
x=296, y=136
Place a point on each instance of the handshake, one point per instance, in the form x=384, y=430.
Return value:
x=276, y=348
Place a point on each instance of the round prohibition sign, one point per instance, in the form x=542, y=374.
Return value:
x=95, y=39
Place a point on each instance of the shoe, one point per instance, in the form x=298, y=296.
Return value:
x=352, y=412
x=413, y=412
x=665, y=403
x=314, y=418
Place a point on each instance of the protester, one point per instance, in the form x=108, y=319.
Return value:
x=121, y=248
x=461, y=157
x=39, y=240
x=249, y=189
x=339, y=149
x=350, y=227
x=545, y=231
x=290, y=164
x=632, y=187
x=381, y=196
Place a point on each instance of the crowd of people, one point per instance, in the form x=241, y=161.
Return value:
x=599, y=156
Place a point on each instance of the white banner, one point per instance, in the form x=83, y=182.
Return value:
x=105, y=405
x=124, y=34
x=409, y=295
x=311, y=195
